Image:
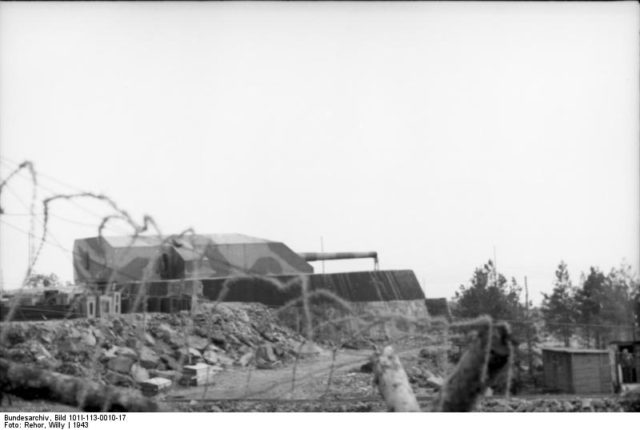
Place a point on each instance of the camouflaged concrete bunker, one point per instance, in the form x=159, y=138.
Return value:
x=169, y=274
x=122, y=259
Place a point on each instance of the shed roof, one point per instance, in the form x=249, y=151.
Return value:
x=577, y=351
x=625, y=342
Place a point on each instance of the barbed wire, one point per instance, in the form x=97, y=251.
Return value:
x=313, y=316
x=56, y=192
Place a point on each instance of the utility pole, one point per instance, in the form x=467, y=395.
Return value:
x=528, y=323
x=322, y=250
x=30, y=255
x=526, y=297
x=495, y=267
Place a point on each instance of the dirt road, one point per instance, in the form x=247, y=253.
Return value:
x=305, y=379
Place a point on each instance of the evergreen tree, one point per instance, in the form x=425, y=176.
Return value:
x=590, y=299
x=619, y=302
x=489, y=293
x=559, y=308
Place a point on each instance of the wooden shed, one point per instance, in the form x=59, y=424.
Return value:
x=577, y=371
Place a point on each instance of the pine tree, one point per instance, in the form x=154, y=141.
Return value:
x=490, y=294
x=619, y=306
x=590, y=300
x=559, y=309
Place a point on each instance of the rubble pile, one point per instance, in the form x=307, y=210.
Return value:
x=129, y=349
x=608, y=404
x=605, y=404
x=283, y=406
x=430, y=367
x=630, y=401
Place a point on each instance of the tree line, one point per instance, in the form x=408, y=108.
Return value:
x=600, y=308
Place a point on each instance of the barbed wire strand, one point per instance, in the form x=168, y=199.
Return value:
x=302, y=303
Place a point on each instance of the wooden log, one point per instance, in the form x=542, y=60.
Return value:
x=393, y=383
x=31, y=383
x=501, y=351
x=467, y=381
x=487, y=356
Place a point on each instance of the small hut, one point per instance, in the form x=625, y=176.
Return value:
x=577, y=371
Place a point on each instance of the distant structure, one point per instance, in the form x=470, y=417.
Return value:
x=577, y=371
x=211, y=260
x=107, y=259
x=167, y=274
x=44, y=303
x=125, y=274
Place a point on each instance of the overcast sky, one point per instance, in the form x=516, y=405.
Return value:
x=432, y=133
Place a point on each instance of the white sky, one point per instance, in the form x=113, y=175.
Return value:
x=430, y=132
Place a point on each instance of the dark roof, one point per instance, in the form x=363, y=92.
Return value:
x=577, y=351
x=624, y=342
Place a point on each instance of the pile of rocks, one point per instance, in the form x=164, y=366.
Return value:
x=429, y=368
x=129, y=349
x=604, y=404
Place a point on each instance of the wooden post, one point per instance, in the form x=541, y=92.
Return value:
x=528, y=323
x=393, y=383
x=486, y=358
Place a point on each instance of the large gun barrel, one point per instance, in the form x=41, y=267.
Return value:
x=322, y=256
